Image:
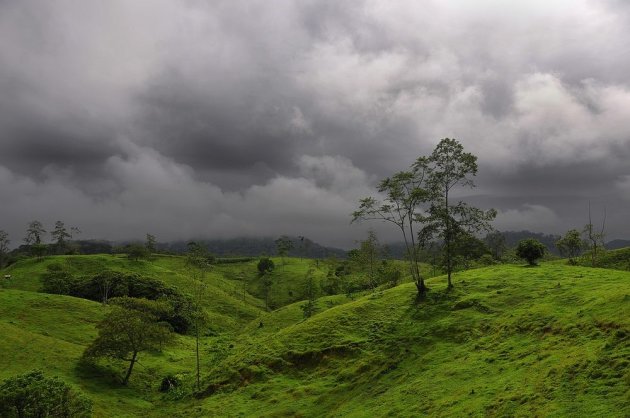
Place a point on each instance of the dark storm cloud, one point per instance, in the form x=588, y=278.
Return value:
x=190, y=118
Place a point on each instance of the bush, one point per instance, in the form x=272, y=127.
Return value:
x=34, y=395
x=265, y=265
x=531, y=250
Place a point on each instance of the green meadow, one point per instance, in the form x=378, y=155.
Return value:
x=507, y=341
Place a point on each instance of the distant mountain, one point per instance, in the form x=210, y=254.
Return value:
x=252, y=247
x=617, y=243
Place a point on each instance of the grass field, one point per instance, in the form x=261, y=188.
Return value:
x=509, y=340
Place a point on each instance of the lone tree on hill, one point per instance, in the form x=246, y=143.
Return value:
x=405, y=194
x=449, y=167
x=130, y=328
x=531, y=250
x=265, y=265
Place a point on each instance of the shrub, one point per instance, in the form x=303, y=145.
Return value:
x=35, y=395
x=531, y=250
x=265, y=265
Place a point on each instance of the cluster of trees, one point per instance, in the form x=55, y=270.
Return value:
x=419, y=203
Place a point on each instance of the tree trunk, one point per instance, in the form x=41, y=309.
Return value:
x=132, y=362
x=449, y=267
x=422, y=288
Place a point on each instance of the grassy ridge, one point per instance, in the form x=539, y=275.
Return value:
x=547, y=341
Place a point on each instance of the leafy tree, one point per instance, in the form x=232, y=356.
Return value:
x=531, y=250
x=130, y=328
x=283, y=246
x=34, y=395
x=449, y=167
x=265, y=265
x=59, y=235
x=496, y=243
x=571, y=245
x=4, y=247
x=150, y=243
x=34, y=233
x=467, y=248
x=368, y=256
x=405, y=195
x=136, y=251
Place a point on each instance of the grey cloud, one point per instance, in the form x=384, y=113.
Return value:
x=237, y=116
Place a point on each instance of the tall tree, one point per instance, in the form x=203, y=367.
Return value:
x=150, y=243
x=368, y=256
x=449, y=167
x=131, y=327
x=198, y=265
x=4, y=247
x=405, y=194
x=310, y=294
x=34, y=233
x=283, y=246
x=59, y=235
x=595, y=239
x=495, y=241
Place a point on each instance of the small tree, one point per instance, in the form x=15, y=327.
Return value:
x=4, y=247
x=368, y=257
x=595, y=240
x=571, y=245
x=265, y=265
x=34, y=395
x=405, y=196
x=34, y=233
x=310, y=294
x=150, y=243
x=136, y=251
x=130, y=328
x=496, y=244
x=59, y=235
x=283, y=246
x=531, y=250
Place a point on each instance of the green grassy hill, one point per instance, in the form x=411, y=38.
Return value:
x=509, y=340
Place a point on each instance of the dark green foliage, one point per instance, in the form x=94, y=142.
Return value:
x=110, y=284
x=133, y=326
x=4, y=248
x=169, y=383
x=449, y=167
x=136, y=251
x=495, y=241
x=39, y=250
x=150, y=243
x=571, y=245
x=531, y=250
x=34, y=395
x=265, y=265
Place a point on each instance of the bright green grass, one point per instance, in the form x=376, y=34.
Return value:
x=509, y=341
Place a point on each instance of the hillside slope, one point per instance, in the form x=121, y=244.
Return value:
x=509, y=341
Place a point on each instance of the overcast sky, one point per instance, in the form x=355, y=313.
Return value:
x=191, y=119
